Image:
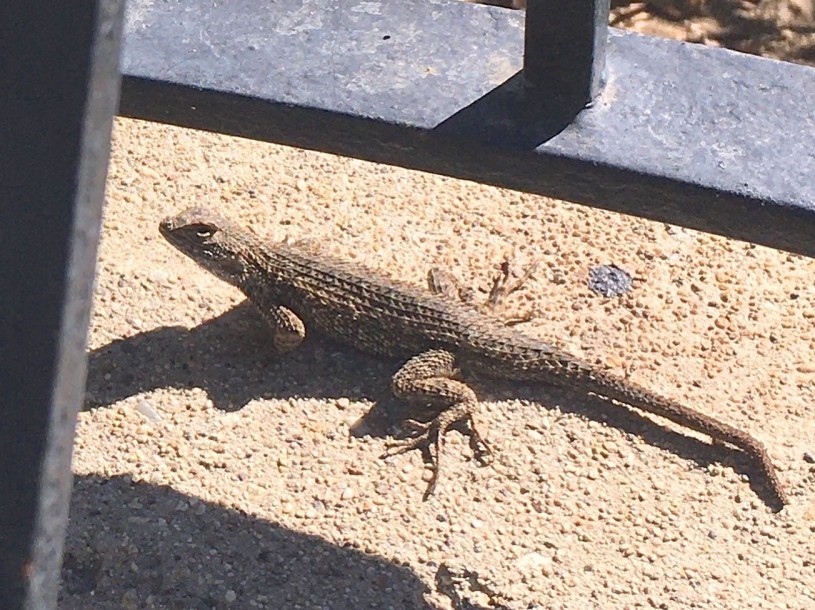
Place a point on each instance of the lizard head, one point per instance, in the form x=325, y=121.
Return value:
x=210, y=240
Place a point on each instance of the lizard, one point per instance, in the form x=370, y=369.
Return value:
x=296, y=288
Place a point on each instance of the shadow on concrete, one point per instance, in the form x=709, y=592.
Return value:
x=136, y=545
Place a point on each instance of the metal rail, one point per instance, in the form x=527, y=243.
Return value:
x=701, y=137
x=58, y=69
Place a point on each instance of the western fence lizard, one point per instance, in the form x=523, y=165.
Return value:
x=296, y=289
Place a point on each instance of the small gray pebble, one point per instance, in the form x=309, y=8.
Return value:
x=609, y=280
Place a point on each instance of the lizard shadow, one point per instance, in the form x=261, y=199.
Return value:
x=231, y=359
x=629, y=420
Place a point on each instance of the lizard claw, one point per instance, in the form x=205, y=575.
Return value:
x=504, y=285
x=427, y=440
x=430, y=439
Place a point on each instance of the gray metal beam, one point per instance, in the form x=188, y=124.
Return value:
x=58, y=67
x=700, y=137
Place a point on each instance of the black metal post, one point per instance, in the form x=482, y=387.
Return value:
x=565, y=49
x=60, y=83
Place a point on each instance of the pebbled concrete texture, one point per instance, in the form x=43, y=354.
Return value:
x=212, y=474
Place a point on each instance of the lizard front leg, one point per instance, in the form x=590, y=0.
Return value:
x=288, y=330
x=429, y=379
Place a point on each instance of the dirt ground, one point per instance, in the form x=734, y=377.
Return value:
x=212, y=474
x=783, y=29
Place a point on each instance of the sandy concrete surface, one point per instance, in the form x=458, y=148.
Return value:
x=212, y=474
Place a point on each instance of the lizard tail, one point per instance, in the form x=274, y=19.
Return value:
x=610, y=387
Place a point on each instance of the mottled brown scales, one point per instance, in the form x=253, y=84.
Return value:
x=295, y=288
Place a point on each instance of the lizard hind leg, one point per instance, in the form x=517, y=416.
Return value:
x=442, y=282
x=429, y=379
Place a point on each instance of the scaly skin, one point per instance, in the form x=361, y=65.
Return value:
x=296, y=289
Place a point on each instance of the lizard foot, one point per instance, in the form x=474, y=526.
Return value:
x=430, y=438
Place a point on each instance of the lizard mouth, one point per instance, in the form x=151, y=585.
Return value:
x=165, y=227
x=169, y=230
x=197, y=236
